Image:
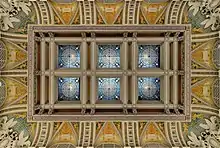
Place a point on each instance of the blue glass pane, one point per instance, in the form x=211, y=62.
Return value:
x=148, y=88
x=69, y=56
x=109, y=56
x=108, y=88
x=68, y=89
x=148, y=56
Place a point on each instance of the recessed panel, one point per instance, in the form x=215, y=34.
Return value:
x=100, y=98
x=108, y=88
x=148, y=88
x=68, y=89
x=108, y=56
x=69, y=56
x=148, y=56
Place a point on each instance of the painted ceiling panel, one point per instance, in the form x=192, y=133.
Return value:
x=202, y=131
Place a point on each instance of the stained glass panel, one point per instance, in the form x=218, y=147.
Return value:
x=108, y=88
x=148, y=88
x=148, y=56
x=68, y=89
x=69, y=56
x=109, y=56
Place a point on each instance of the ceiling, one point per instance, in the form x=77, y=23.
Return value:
x=203, y=129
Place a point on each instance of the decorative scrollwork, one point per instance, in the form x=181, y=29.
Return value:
x=9, y=137
x=210, y=137
x=10, y=9
x=210, y=9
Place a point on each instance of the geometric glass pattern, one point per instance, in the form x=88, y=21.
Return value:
x=69, y=56
x=68, y=89
x=109, y=56
x=148, y=56
x=108, y=88
x=148, y=88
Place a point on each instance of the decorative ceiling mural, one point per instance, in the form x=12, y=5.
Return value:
x=204, y=129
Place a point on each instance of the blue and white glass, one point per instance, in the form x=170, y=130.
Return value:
x=148, y=88
x=108, y=88
x=108, y=56
x=149, y=56
x=68, y=89
x=69, y=56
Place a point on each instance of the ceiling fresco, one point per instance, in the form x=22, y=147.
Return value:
x=204, y=129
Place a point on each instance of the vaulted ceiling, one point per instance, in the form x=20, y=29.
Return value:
x=202, y=131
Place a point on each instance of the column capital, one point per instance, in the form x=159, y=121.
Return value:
x=125, y=35
x=134, y=35
x=93, y=34
x=83, y=35
x=38, y=39
x=125, y=110
x=177, y=34
x=167, y=36
x=41, y=111
x=92, y=112
x=134, y=109
x=51, y=34
x=176, y=110
x=51, y=109
x=83, y=109
x=41, y=34
x=37, y=107
x=166, y=109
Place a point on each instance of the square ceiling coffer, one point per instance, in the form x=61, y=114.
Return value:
x=91, y=73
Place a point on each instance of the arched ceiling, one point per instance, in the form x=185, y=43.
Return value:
x=15, y=15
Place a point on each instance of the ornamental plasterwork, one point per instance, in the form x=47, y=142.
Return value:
x=62, y=134
x=9, y=9
x=210, y=137
x=210, y=9
x=10, y=138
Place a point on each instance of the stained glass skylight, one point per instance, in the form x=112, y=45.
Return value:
x=69, y=56
x=68, y=89
x=148, y=88
x=109, y=56
x=108, y=88
x=148, y=56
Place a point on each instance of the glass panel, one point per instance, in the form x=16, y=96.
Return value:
x=108, y=88
x=68, y=89
x=69, y=56
x=109, y=56
x=148, y=56
x=148, y=88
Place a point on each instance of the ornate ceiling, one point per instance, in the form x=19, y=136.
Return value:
x=202, y=131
